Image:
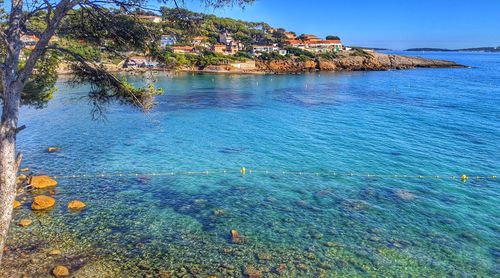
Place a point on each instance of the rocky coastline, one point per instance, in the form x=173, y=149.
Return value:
x=371, y=62
x=345, y=61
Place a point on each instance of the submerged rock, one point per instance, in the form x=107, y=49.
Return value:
x=25, y=222
x=236, y=238
x=404, y=195
x=53, y=149
x=42, y=202
x=281, y=269
x=60, y=271
x=55, y=252
x=252, y=272
x=264, y=256
x=76, y=205
x=40, y=182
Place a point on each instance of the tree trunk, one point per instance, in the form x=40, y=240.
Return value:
x=8, y=163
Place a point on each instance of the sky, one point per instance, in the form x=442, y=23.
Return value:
x=394, y=24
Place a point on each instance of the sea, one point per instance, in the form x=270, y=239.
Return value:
x=353, y=174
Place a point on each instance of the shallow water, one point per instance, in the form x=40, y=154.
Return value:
x=418, y=122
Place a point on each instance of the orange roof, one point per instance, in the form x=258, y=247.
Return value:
x=29, y=37
x=298, y=42
x=200, y=38
x=183, y=47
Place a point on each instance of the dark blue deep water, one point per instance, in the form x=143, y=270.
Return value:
x=423, y=122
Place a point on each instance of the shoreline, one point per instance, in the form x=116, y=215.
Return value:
x=344, y=63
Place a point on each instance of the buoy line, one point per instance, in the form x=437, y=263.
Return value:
x=243, y=171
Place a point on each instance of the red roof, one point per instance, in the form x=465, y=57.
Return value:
x=299, y=42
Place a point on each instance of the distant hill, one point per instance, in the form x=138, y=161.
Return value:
x=477, y=49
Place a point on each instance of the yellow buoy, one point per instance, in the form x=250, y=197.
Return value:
x=464, y=178
x=243, y=170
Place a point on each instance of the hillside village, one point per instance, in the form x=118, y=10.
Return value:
x=184, y=39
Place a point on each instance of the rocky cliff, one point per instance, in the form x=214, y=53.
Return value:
x=354, y=62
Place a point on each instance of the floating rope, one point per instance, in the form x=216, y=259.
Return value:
x=243, y=171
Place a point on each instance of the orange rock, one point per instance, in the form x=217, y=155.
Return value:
x=17, y=204
x=53, y=149
x=236, y=237
x=42, y=202
x=25, y=222
x=76, y=205
x=252, y=272
x=55, y=252
x=40, y=182
x=60, y=271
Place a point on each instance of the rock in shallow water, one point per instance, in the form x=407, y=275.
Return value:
x=40, y=182
x=252, y=272
x=25, y=222
x=236, y=238
x=55, y=252
x=60, y=271
x=404, y=195
x=16, y=204
x=53, y=149
x=76, y=205
x=42, y=202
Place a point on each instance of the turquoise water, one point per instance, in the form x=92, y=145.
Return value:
x=417, y=122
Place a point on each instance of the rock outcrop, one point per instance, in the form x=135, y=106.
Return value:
x=60, y=271
x=352, y=62
x=76, y=205
x=42, y=202
x=25, y=222
x=40, y=182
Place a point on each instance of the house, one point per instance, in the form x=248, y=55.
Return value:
x=200, y=41
x=218, y=48
x=167, y=40
x=259, y=49
x=316, y=46
x=309, y=37
x=271, y=30
x=234, y=46
x=225, y=38
x=184, y=50
x=150, y=18
x=290, y=36
x=140, y=62
x=324, y=46
x=29, y=41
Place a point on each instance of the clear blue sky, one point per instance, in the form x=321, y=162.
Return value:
x=396, y=24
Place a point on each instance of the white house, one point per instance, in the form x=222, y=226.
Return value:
x=140, y=62
x=167, y=40
x=226, y=38
x=259, y=49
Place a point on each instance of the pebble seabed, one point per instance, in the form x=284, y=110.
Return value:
x=323, y=228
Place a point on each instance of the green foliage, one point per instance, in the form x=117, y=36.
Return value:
x=332, y=37
x=243, y=55
x=109, y=29
x=184, y=24
x=330, y=55
x=41, y=86
x=360, y=52
x=271, y=56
